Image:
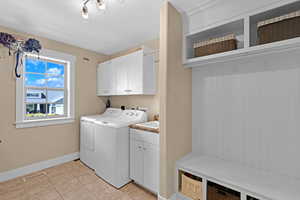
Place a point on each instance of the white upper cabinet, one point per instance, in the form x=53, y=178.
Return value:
x=132, y=74
x=119, y=64
x=135, y=72
x=106, y=82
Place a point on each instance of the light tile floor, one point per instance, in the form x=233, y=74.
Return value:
x=70, y=181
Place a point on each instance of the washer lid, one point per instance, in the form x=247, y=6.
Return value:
x=117, y=118
x=91, y=118
x=107, y=115
x=112, y=122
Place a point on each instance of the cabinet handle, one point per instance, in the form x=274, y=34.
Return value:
x=140, y=147
x=127, y=90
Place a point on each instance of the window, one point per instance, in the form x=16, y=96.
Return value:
x=45, y=93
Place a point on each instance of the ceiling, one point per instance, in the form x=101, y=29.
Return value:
x=189, y=6
x=121, y=27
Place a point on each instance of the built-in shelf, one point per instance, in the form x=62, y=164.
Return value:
x=269, y=14
x=234, y=27
x=245, y=52
x=250, y=182
x=245, y=30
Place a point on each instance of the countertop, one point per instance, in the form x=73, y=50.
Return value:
x=137, y=126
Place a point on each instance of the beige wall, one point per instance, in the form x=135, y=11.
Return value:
x=175, y=99
x=21, y=147
x=152, y=101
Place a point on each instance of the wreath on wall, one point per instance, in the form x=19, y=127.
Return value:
x=19, y=47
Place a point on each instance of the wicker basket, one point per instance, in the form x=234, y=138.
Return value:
x=191, y=188
x=279, y=28
x=217, y=192
x=217, y=45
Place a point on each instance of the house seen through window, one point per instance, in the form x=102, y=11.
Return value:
x=45, y=88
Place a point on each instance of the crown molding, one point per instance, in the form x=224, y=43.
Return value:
x=202, y=6
x=175, y=6
x=196, y=9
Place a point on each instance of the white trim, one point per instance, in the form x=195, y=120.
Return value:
x=54, y=55
x=44, y=122
x=4, y=176
x=161, y=198
x=235, y=17
x=266, y=49
x=196, y=9
x=173, y=197
x=202, y=6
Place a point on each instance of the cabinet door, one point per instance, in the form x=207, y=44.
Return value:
x=131, y=157
x=109, y=77
x=134, y=67
x=121, y=75
x=137, y=162
x=104, y=78
x=151, y=167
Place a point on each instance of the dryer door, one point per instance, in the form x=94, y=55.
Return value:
x=87, y=143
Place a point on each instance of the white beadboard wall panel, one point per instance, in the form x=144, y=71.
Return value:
x=248, y=111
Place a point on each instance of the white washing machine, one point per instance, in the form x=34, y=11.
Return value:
x=105, y=145
x=87, y=135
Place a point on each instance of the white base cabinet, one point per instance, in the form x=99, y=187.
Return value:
x=144, y=159
x=132, y=74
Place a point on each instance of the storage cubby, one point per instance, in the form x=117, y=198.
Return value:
x=235, y=27
x=190, y=185
x=245, y=29
x=219, y=192
x=240, y=181
x=276, y=12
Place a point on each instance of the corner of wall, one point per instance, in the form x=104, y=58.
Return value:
x=175, y=99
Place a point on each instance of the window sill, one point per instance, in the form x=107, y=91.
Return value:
x=44, y=122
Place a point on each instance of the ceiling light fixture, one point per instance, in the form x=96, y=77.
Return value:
x=85, y=11
x=100, y=4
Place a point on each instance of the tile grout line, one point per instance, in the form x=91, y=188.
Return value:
x=54, y=185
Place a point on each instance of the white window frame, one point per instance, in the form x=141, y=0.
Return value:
x=21, y=121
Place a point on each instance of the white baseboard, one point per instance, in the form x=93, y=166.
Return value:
x=162, y=198
x=4, y=176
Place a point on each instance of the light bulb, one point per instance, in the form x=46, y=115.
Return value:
x=85, y=12
x=101, y=4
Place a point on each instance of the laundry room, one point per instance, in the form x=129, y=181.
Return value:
x=145, y=100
